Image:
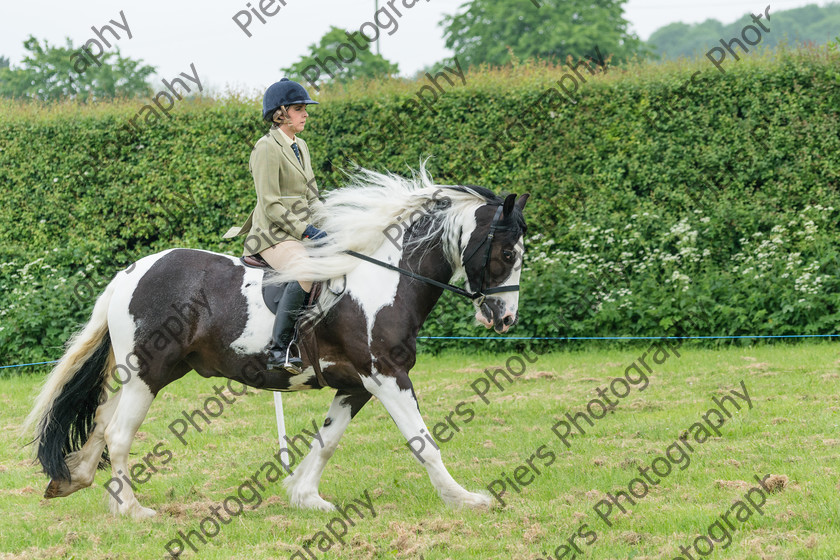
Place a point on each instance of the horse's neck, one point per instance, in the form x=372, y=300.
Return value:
x=374, y=288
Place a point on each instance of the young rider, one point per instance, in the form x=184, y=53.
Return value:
x=286, y=197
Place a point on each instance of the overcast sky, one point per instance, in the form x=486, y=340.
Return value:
x=171, y=35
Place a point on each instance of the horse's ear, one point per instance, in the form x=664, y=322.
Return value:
x=508, y=206
x=522, y=200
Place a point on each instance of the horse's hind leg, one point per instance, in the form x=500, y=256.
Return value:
x=135, y=398
x=302, y=486
x=83, y=463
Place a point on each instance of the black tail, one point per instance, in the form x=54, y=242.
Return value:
x=65, y=427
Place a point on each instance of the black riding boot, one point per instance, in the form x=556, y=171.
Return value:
x=282, y=336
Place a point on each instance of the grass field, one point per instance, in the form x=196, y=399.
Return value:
x=791, y=431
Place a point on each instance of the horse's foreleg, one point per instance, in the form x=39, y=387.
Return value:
x=302, y=486
x=400, y=402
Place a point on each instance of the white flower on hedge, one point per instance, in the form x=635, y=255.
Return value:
x=678, y=276
x=55, y=179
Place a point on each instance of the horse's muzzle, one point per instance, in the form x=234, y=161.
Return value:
x=493, y=315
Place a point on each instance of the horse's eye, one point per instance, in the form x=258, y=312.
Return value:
x=507, y=255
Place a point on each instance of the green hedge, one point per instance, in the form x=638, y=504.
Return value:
x=653, y=197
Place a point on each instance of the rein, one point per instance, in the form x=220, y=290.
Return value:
x=479, y=296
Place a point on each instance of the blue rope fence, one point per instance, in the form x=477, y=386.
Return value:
x=32, y=364
x=567, y=338
x=620, y=337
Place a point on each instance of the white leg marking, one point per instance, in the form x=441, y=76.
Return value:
x=302, y=485
x=134, y=403
x=402, y=407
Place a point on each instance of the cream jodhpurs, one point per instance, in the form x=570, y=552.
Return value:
x=284, y=253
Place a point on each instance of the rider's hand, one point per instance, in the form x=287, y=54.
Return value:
x=313, y=233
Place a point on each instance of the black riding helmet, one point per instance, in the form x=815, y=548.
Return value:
x=282, y=94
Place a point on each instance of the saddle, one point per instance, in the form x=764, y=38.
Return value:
x=272, y=294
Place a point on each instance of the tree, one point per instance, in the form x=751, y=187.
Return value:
x=4, y=62
x=338, y=57
x=816, y=24
x=676, y=39
x=50, y=73
x=489, y=30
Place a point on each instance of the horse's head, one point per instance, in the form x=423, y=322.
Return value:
x=492, y=258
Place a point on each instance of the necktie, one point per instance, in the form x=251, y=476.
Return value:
x=297, y=152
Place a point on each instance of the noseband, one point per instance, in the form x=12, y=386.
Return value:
x=479, y=296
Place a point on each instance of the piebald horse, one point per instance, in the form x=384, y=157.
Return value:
x=101, y=389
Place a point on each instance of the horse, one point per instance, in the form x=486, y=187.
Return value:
x=413, y=237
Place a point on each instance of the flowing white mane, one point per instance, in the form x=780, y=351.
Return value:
x=357, y=216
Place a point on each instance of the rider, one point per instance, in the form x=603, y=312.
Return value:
x=286, y=197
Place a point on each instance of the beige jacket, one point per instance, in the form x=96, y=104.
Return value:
x=286, y=193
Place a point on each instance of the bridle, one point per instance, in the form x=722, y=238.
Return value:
x=477, y=297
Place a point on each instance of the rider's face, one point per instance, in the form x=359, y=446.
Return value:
x=297, y=117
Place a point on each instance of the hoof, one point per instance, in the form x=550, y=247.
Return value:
x=132, y=509
x=54, y=489
x=477, y=501
x=143, y=513
x=313, y=502
x=471, y=500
